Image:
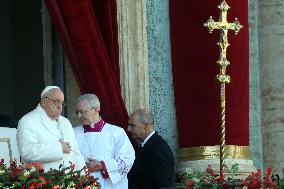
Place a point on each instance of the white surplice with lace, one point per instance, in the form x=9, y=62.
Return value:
x=112, y=146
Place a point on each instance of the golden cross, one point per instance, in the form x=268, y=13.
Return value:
x=223, y=25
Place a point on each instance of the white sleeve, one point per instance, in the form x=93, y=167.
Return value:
x=78, y=159
x=124, y=156
x=30, y=147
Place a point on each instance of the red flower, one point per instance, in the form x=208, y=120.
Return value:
x=210, y=171
x=253, y=180
x=222, y=177
x=37, y=165
x=42, y=179
x=86, y=171
x=2, y=162
x=56, y=187
x=28, y=178
x=266, y=181
x=72, y=166
x=189, y=184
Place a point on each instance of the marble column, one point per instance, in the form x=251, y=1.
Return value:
x=254, y=90
x=133, y=53
x=271, y=40
x=160, y=71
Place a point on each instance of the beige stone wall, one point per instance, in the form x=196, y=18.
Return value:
x=271, y=45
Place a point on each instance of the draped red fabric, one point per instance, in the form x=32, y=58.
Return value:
x=194, y=56
x=88, y=31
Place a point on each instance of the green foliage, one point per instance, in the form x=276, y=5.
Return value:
x=32, y=176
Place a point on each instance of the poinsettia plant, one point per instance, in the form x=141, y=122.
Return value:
x=210, y=180
x=254, y=180
x=32, y=176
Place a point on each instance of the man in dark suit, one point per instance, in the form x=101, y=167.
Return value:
x=153, y=167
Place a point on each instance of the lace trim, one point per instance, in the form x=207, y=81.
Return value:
x=123, y=168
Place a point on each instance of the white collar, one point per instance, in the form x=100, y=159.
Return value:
x=44, y=115
x=147, y=138
x=52, y=124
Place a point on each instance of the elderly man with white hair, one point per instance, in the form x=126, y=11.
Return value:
x=45, y=136
x=106, y=148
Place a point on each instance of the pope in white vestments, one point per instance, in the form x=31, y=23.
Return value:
x=45, y=136
x=106, y=148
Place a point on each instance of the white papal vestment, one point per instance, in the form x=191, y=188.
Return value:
x=38, y=140
x=112, y=146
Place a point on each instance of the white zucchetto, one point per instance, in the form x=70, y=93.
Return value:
x=47, y=89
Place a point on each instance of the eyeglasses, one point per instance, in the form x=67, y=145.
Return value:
x=131, y=125
x=81, y=112
x=56, y=102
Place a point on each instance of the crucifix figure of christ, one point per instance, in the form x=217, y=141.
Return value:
x=224, y=26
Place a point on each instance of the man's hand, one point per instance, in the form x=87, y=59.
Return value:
x=94, y=165
x=66, y=147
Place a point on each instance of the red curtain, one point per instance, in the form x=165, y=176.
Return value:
x=194, y=56
x=88, y=31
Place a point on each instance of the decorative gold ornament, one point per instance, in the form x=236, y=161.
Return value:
x=224, y=26
x=213, y=152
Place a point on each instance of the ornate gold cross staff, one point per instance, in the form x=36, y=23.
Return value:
x=223, y=44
